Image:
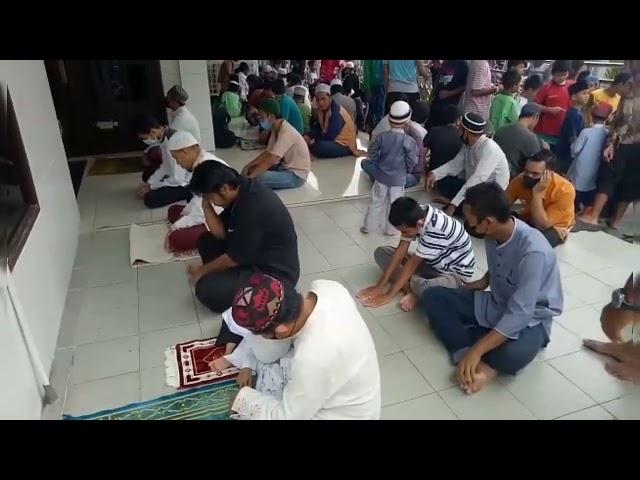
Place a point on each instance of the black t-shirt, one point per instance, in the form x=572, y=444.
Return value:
x=260, y=232
x=452, y=75
x=444, y=143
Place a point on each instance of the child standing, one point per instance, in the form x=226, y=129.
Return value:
x=587, y=152
x=504, y=108
x=573, y=124
x=393, y=153
x=530, y=89
x=231, y=100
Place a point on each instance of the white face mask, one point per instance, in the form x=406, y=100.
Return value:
x=149, y=142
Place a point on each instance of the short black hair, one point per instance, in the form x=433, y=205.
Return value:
x=578, y=87
x=243, y=67
x=451, y=114
x=405, y=212
x=546, y=156
x=210, y=177
x=561, y=66
x=510, y=79
x=267, y=84
x=420, y=112
x=143, y=124
x=278, y=86
x=488, y=199
x=622, y=78
x=337, y=88
x=534, y=82
x=234, y=87
x=294, y=78
x=255, y=82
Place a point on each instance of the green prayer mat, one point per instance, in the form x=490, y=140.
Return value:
x=205, y=403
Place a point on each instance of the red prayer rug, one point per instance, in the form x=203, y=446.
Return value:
x=187, y=364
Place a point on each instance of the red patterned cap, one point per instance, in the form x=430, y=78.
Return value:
x=256, y=305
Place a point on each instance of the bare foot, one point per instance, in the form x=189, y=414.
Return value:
x=409, y=302
x=484, y=375
x=626, y=371
x=623, y=352
x=219, y=364
x=589, y=219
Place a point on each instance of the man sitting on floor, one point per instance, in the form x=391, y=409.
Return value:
x=480, y=159
x=187, y=222
x=168, y=184
x=286, y=161
x=254, y=233
x=444, y=256
x=548, y=198
x=333, y=373
x=180, y=118
x=501, y=330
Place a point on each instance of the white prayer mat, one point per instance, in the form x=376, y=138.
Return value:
x=146, y=246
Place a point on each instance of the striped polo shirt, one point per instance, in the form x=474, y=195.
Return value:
x=445, y=245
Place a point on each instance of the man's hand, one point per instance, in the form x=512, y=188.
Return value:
x=244, y=378
x=608, y=153
x=370, y=292
x=544, y=182
x=430, y=181
x=466, y=370
x=377, y=301
x=195, y=273
x=556, y=110
x=480, y=284
x=450, y=209
x=143, y=189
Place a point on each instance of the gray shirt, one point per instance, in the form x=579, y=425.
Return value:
x=518, y=144
x=394, y=153
x=525, y=284
x=347, y=103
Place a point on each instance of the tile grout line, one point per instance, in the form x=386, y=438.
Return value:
x=139, y=337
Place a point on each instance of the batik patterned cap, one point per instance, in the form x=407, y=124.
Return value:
x=256, y=305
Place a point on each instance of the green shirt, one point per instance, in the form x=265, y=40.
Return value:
x=305, y=111
x=231, y=102
x=504, y=110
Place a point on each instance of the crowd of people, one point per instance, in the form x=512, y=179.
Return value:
x=512, y=161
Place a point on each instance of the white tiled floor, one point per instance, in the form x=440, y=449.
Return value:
x=118, y=320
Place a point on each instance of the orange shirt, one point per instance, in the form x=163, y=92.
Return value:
x=557, y=201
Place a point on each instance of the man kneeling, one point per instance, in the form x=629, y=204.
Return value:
x=500, y=331
x=333, y=373
x=444, y=256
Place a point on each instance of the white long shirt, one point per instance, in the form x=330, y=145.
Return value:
x=169, y=174
x=334, y=373
x=192, y=213
x=484, y=161
x=183, y=119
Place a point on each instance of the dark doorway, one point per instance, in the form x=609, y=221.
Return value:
x=96, y=100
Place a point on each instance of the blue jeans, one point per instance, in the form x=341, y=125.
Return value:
x=370, y=169
x=281, y=179
x=452, y=318
x=329, y=149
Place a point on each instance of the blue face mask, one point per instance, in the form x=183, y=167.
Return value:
x=265, y=125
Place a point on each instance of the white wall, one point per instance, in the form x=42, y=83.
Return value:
x=194, y=78
x=43, y=270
